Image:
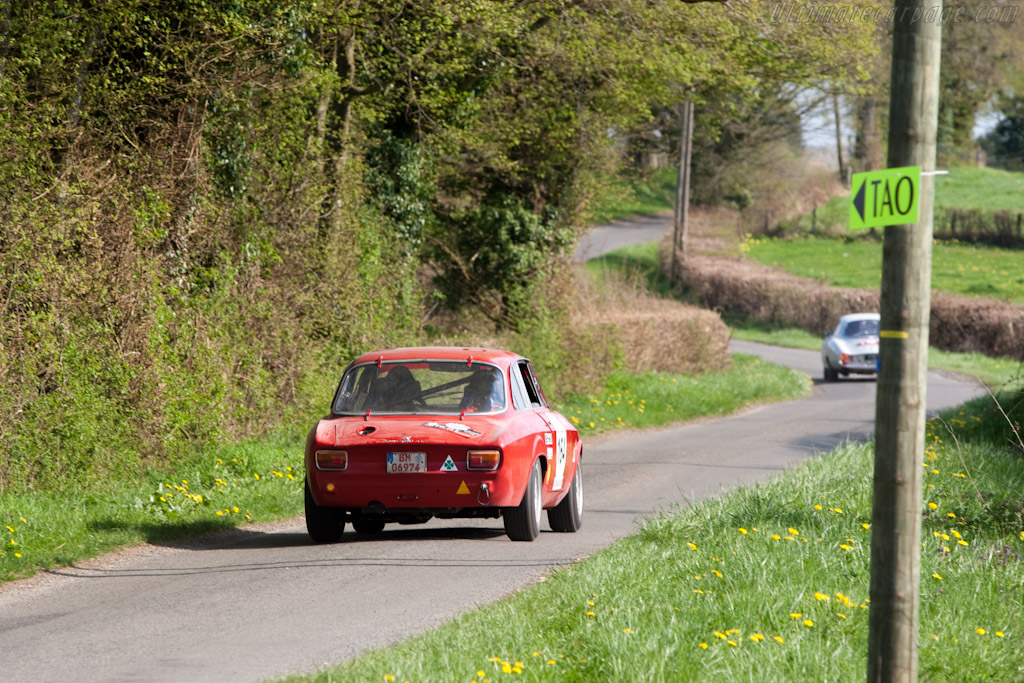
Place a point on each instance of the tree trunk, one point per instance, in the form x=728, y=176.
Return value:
x=867, y=150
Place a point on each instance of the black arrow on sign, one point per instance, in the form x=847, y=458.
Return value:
x=858, y=200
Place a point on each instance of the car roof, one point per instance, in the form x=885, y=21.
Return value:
x=860, y=316
x=463, y=353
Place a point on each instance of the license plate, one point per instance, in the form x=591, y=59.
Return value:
x=401, y=463
x=869, y=359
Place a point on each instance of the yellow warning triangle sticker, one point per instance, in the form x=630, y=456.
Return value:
x=463, y=489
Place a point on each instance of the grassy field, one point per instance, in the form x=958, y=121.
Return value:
x=982, y=189
x=262, y=481
x=763, y=583
x=956, y=268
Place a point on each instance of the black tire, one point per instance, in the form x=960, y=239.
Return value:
x=567, y=516
x=324, y=524
x=522, y=523
x=831, y=375
x=367, y=527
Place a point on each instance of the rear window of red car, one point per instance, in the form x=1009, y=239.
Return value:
x=421, y=387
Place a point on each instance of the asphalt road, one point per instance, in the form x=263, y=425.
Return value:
x=601, y=239
x=263, y=601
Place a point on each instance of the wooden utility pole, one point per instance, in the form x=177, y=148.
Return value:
x=900, y=402
x=682, y=213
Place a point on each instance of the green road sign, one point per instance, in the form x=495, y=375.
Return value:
x=887, y=197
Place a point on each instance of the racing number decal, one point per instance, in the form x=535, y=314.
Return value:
x=560, y=457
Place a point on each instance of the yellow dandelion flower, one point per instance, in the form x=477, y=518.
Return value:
x=999, y=634
x=808, y=623
x=627, y=630
x=17, y=554
x=220, y=513
x=981, y=631
x=743, y=531
x=590, y=614
x=817, y=507
x=936, y=576
x=865, y=526
x=732, y=642
x=778, y=639
x=719, y=634
x=703, y=646
x=820, y=596
x=951, y=515
x=793, y=531
x=10, y=528
x=716, y=573
x=933, y=506
x=776, y=537
x=795, y=615
x=693, y=546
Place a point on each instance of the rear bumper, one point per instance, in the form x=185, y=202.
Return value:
x=411, y=491
x=860, y=365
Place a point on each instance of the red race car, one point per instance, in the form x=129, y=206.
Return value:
x=441, y=432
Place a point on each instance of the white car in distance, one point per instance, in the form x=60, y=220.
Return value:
x=852, y=348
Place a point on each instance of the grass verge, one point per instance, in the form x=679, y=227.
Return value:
x=653, y=399
x=623, y=198
x=262, y=481
x=763, y=583
x=234, y=485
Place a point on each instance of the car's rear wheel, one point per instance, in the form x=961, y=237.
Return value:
x=367, y=527
x=831, y=375
x=522, y=523
x=324, y=524
x=568, y=515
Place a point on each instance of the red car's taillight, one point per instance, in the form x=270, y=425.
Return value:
x=331, y=460
x=483, y=460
